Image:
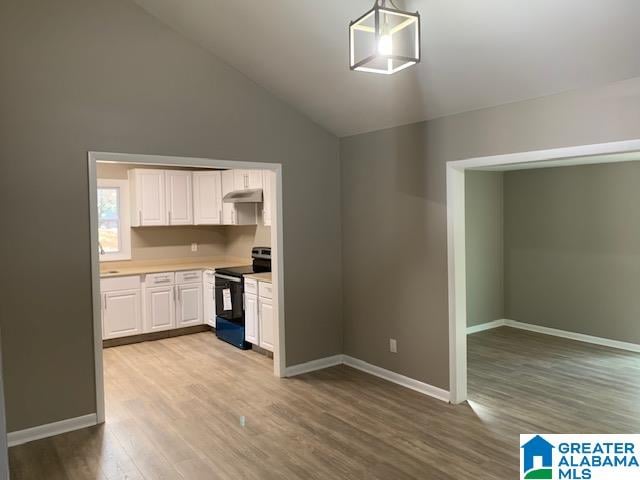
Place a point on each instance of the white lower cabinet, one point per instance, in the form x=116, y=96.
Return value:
x=259, y=326
x=159, y=308
x=121, y=314
x=209, y=300
x=251, y=318
x=189, y=305
x=267, y=330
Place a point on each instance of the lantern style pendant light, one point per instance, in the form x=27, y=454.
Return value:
x=384, y=40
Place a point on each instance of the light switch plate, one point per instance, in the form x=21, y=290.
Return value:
x=393, y=345
x=194, y=247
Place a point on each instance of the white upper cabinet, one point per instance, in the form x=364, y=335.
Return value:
x=254, y=179
x=237, y=213
x=247, y=179
x=268, y=188
x=179, y=197
x=207, y=198
x=148, y=193
x=161, y=197
x=228, y=186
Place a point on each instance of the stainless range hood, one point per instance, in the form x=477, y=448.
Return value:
x=244, y=196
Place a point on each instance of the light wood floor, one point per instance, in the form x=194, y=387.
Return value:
x=194, y=408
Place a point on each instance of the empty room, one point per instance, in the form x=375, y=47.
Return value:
x=552, y=264
x=374, y=239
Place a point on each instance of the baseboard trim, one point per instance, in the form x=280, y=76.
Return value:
x=313, y=365
x=397, y=378
x=374, y=370
x=486, y=326
x=581, y=337
x=50, y=429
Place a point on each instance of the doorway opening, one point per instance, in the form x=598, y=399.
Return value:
x=625, y=151
x=184, y=198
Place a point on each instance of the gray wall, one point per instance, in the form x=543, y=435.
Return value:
x=572, y=248
x=484, y=246
x=394, y=213
x=103, y=75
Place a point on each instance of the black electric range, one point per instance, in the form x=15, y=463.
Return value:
x=229, y=297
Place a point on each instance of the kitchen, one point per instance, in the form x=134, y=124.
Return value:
x=186, y=250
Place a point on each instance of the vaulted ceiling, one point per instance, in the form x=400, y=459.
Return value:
x=476, y=53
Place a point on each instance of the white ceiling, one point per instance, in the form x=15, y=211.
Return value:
x=476, y=53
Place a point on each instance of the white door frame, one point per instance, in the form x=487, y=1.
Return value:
x=579, y=155
x=279, y=354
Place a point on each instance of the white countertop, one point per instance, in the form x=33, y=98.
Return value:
x=261, y=277
x=125, y=268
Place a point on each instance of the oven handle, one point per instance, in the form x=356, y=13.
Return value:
x=227, y=277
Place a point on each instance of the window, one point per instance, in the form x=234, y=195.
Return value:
x=114, y=234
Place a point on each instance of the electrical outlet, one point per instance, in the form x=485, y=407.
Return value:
x=393, y=345
x=194, y=247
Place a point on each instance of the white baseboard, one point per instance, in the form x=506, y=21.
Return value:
x=50, y=429
x=486, y=326
x=580, y=337
x=606, y=342
x=313, y=365
x=358, y=364
x=397, y=378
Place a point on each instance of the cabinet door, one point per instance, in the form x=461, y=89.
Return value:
x=179, y=197
x=189, y=305
x=121, y=314
x=150, y=208
x=254, y=179
x=247, y=179
x=240, y=179
x=209, y=304
x=159, y=308
x=228, y=209
x=267, y=327
x=207, y=198
x=268, y=183
x=251, y=333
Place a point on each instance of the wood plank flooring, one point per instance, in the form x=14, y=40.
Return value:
x=195, y=408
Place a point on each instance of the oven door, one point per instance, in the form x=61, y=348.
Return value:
x=230, y=298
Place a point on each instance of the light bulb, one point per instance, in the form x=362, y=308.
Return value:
x=385, y=47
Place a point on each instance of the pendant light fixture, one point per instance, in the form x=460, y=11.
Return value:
x=384, y=40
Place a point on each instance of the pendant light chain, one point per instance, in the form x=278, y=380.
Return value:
x=382, y=3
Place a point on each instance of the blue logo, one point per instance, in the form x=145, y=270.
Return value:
x=537, y=458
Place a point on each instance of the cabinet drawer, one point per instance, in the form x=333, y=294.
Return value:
x=166, y=278
x=120, y=283
x=251, y=286
x=190, y=276
x=265, y=290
